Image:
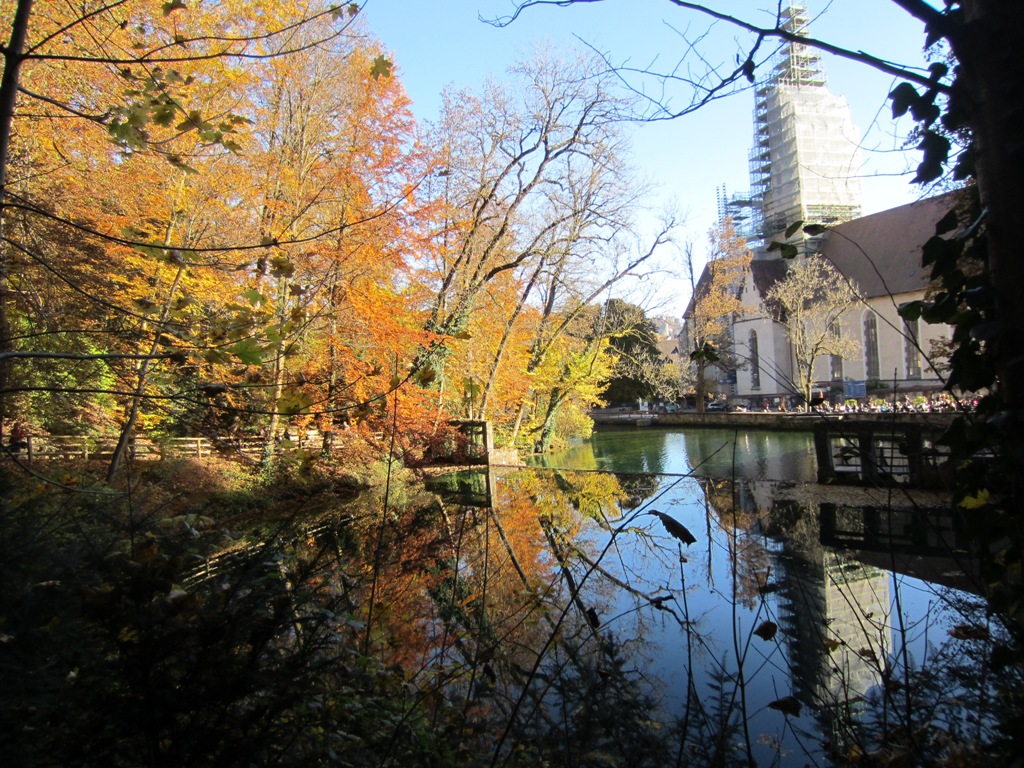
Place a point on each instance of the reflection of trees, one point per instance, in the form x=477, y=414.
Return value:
x=502, y=612
x=524, y=625
x=751, y=455
x=749, y=557
x=642, y=451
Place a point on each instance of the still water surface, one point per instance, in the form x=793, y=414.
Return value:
x=695, y=562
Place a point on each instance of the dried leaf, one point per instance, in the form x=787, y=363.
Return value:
x=788, y=705
x=767, y=630
x=675, y=528
x=968, y=632
x=868, y=654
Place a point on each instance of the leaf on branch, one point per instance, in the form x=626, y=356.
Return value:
x=767, y=630
x=381, y=68
x=787, y=250
x=748, y=69
x=788, y=705
x=903, y=96
x=969, y=632
x=172, y=6
x=248, y=351
x=936, y=153
x=180, y=164
x=815, y=229
x=911, y=310
x=793, y=228
x=977, y=501
x=675, y=528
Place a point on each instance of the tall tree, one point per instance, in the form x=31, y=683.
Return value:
x=640, y=372
x=152, y=77
x=508, y=153
x=714, y=303
x=812, y=299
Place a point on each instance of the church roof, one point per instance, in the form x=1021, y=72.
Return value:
x=881, y=253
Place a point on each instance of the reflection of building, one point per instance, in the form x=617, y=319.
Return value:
x=838, y=611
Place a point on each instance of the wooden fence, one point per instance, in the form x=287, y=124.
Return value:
x=64, y=447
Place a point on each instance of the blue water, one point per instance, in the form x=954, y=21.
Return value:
x=755, y=614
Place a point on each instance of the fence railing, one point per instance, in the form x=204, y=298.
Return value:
x=58, y=447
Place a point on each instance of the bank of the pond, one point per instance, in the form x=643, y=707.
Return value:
x=776, y=422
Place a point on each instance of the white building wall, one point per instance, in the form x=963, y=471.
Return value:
x=891, y=345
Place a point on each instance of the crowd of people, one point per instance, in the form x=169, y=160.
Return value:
x=939, y=402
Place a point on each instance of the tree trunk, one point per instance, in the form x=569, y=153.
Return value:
x=991, y=79
x=132, y=415
x=12, y=56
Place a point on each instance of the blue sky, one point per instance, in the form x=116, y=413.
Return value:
x=437, y=43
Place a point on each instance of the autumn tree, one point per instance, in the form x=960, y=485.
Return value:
x=508, y=154
x=715, y=302
x=122, y=86
x=812, y=300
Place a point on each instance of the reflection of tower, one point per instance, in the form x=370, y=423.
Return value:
x=805, y=162
x=835, y=611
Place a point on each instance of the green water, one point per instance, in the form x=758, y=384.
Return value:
x=715, y=453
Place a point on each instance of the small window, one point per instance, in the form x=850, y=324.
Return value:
x=836, y=362
x=755, y=362
x=911, y=349
x=872, y=368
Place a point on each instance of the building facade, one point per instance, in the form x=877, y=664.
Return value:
x=880, y=256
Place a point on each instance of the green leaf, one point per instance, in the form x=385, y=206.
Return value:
x=281, y=266
x=426, y=375
x=793, y=228
x=815, y=229
x=381, y=68
x=911, y=310
x=292, y=403
x=254, y=297
x=977, y=501
x=174, y=5
x=248, y=351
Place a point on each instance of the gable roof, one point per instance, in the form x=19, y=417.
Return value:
x=881, y=253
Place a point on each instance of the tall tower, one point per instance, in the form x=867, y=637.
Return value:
x=805, y=163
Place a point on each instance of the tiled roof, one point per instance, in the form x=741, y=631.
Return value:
x=766, y=273
x=881, y=253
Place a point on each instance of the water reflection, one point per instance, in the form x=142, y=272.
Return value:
x=755, y=640
x=702, y=453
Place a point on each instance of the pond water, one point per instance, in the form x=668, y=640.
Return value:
x=686, y=581
x=719, y=453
